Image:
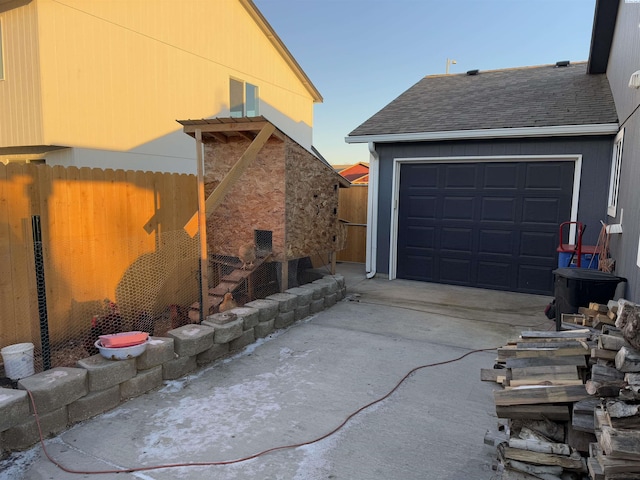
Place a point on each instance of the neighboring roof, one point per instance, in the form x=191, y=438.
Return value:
x=497, y=100
x=604, y=24
x=363, y=180
x=281, y=48
x=354, y=172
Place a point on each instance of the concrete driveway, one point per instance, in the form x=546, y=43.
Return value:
x=301, y=383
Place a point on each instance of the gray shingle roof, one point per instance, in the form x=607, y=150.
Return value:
x=538, y=96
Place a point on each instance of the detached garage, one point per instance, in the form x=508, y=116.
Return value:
x=471, y=175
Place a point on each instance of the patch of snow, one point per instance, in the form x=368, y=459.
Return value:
x=17, y=463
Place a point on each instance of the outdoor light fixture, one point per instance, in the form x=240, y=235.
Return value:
x=449, y=63
x=634, y=81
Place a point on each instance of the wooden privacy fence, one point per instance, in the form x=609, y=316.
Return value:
x=105, y=234
x=353, y=209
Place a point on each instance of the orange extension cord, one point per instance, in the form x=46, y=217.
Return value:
x=259, y=454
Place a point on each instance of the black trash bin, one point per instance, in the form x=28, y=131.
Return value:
x=577, y=287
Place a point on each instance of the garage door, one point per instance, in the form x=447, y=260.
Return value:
x=489, y=225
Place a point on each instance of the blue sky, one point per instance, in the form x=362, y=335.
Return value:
x=361, y=54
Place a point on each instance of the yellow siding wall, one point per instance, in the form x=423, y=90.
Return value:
x=116, y=75
x=20, y=99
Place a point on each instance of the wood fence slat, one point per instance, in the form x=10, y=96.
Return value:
x=353, y=209
x=21, y=248
x=8, y=334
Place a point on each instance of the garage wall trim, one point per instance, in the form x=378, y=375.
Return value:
x=398, y=162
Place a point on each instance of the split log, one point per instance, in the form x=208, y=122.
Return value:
x=541, y=447
x=604, y=373
x=580, y=332
x=611, y=342
x=572, y=462
x=622, y=415
x=605, y=389
x=632, y=378
x=628, y=360
x=536, y=394
x=546, y=429
x=620, y=444
x=630, y=393
x=568, y=372
x=505, y=353
x=533, y=469
x=609, y=355
x=558, y=413
x=578, y=360
x=582, y=417
x=595, y=470
x=629, y=323
x=612, y=466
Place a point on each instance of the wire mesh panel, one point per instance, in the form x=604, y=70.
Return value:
x=146, y=288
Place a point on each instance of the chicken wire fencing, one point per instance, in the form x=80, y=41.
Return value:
x=82, y=288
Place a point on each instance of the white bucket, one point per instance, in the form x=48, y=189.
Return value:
x=18, y=360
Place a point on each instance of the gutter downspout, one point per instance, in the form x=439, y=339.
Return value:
x=372, y=212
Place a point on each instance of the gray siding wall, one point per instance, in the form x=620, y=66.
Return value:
x=596, y=164
x=623, y=61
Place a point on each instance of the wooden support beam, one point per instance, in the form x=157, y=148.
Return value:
x=232, y=176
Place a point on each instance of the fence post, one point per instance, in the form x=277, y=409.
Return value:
x=42, y=292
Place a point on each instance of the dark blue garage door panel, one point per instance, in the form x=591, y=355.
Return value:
x=490, y=225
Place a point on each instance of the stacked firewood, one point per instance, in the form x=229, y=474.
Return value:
x=570, y=406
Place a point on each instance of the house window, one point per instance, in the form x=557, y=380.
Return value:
x=243, y=99
x=614, y=179
x=1, y=55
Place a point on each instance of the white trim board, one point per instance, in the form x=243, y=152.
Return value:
x=395, y=189
x=519, y=132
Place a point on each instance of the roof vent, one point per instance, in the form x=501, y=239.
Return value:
x=563, y=63
x=472, y=72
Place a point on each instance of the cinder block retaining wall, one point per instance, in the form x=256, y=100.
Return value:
x=64, y=395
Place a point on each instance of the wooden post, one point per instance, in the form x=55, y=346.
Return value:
x=333, y=257
x=202, y=228
x=284, y=279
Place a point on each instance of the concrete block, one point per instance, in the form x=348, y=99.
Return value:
x=178, y=368
x=220, y=318
x=228, y=332
x=318, y=291
x=317, y=305
x=264, y=328
x=337, y=278
x=14, y=407
x=302, y=312
x=342, y=292
x=304, y=295
x=25, y=434
x=332, y=285
x=159, y=350
x=250, y=316
x=285, y=319
x=330, y=300
x=247, y=338
x=94, y=404
x=103, y=373
x=190, y=340
x=218, y=350
x=144, y=381
x=287, y=302
x=268, y=308
x=56, y=388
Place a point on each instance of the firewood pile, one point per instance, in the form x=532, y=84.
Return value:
x=569, y=408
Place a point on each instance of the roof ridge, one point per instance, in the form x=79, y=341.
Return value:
x=526, y=67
